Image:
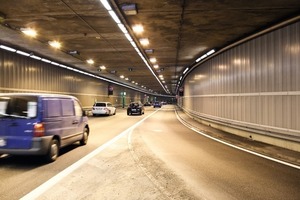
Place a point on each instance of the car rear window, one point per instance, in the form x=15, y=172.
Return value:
x=100, y=104
x=18, y=106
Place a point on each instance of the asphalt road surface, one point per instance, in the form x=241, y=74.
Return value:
x=152, y=156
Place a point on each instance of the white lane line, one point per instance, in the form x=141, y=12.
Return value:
x=236, y=147
x=34, y=194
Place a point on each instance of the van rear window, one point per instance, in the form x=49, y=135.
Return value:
x=18, y=106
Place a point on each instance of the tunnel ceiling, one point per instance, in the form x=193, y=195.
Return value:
x=179, y=32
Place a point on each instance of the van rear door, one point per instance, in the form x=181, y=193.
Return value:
x=17, y=118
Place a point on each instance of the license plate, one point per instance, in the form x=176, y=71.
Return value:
x=2, y=142
x=133, y=109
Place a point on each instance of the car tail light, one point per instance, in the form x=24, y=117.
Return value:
x=39, y=130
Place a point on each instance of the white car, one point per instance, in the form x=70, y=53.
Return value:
x=103, y=108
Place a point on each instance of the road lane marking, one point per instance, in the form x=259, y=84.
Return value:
x=34, y=194
x=234, y=146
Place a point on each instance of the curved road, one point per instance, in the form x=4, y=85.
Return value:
x=158, y=158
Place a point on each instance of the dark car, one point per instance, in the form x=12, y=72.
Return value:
x=135, y=108
x=156, y=104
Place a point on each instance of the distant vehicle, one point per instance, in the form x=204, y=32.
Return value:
x=103, y=108
x=40, y=124
x=135, y=108
x=156, y=104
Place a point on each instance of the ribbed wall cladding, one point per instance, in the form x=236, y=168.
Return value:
x=255, y=84
x=22, y=74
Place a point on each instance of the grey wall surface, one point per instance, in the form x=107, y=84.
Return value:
x=255, y=84
x=23, y=74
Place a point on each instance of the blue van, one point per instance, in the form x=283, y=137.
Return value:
x=40, y=124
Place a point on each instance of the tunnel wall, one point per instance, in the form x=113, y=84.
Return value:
x=252, y=89
x=23, y=74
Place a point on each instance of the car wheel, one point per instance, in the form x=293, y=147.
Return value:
x=53, y=151
x=115, y=112
x=85, y=137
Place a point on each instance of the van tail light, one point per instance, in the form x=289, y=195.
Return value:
x=39, y=130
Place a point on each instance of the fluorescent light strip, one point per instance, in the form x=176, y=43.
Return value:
x=106, y=4
x=123, y=29
x=35, y=57
x=7, y=48
x=55, y=63
x=22, y=53
x=117, y=20
x=114, y=16
x=185, y=70
x=205, y=55
x=46, y=60
x=133, y=44
x=210, y=52
x=128, y=37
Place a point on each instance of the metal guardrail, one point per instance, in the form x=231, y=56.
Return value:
x=275, y=132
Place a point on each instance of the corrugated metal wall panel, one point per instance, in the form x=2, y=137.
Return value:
x=23, y=74
x=257, y=82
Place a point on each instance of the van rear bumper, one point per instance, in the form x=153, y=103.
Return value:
x=40, y=146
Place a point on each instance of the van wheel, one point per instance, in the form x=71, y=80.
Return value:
x=85, y=136
x=53, y=151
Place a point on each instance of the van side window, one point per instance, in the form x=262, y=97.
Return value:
x=52, y=108
x=67, y=107
x=78, y=109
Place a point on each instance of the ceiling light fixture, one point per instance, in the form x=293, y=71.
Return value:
x=90, y=61
x=156, y=66
x=55, y=44
x=117, y=20
x=144, y=41
x=138, y=28
x=153, y=60
x=102, y=67
x=28, y=31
